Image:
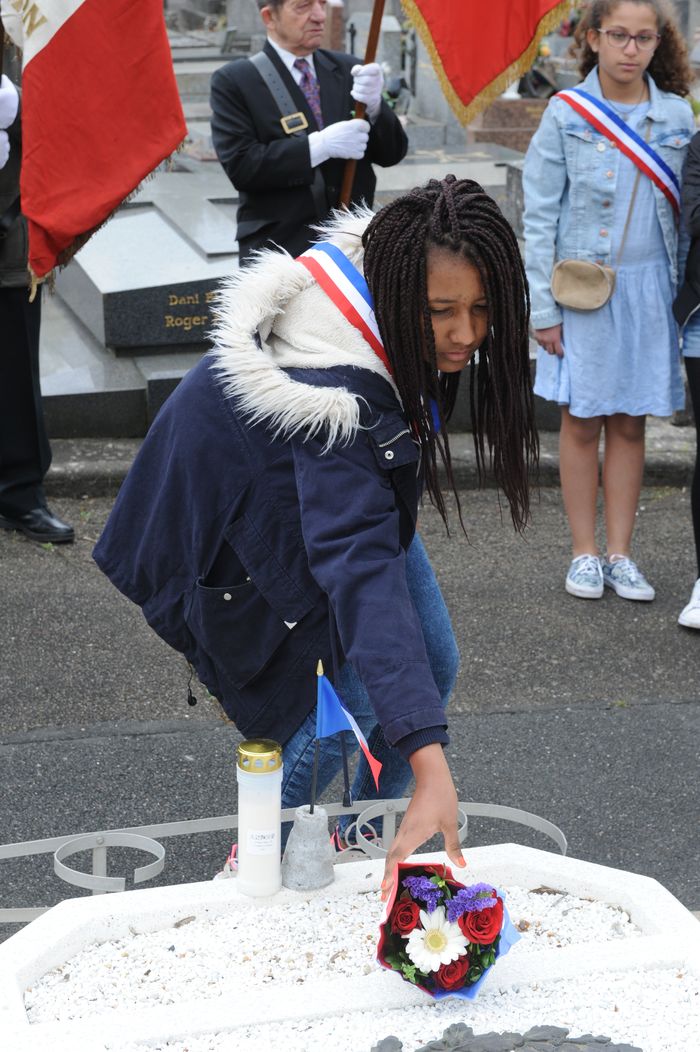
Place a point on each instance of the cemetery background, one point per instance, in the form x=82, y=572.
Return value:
x=95, y=726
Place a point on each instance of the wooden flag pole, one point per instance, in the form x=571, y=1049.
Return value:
x=370, y=54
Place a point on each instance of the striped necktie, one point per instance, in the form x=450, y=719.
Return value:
x=310, y=88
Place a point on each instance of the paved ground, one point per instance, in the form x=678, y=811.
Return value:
x=584, y=712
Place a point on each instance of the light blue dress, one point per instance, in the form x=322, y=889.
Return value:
x=624, y=357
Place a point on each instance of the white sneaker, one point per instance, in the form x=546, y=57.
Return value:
x=627, y=579
x=690, y=614
x=585, y=577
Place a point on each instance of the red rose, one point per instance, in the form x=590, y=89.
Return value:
x=451, y=976
x=482, y=926
x=404, y=916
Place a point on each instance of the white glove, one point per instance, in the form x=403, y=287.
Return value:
x=4, y=148
x=9, y=102
x=346, y=139
x=367, y=87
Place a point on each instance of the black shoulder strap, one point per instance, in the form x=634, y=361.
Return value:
x=293, y=121
x=8, y=217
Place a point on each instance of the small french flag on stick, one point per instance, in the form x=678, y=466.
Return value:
x=332, y=717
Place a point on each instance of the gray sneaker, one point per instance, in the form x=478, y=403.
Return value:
x=627, y=580
x=585, y=577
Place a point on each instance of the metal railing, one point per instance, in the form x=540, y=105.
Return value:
x=144, y=838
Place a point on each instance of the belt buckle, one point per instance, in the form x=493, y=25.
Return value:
x=294, y=122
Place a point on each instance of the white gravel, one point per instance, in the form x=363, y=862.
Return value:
x=213, y=957
x=323, y=938
x=656, y=1011
x=223, y=956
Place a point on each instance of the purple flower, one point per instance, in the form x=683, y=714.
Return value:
x=469, y=900
x=422, y=888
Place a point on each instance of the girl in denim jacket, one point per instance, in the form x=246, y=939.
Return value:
x=608, y=368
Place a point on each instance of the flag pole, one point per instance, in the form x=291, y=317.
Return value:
x=2, y=45
x=314, y=779
x=360, y=108
x=347, y=795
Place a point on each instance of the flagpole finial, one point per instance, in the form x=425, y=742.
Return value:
x=319, y=668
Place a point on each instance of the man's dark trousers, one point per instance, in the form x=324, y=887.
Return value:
x=25, y=453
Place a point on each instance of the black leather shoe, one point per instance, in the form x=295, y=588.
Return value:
x=39, y=525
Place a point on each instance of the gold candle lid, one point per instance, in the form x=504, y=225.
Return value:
x=260, y=756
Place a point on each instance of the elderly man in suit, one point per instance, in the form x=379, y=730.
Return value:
x=288, y=166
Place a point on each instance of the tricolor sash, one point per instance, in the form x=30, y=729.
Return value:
x=605, y=120
x=348, y=290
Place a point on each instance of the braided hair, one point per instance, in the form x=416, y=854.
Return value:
x=457, y=215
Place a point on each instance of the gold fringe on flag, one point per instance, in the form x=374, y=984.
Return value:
x=467, y=113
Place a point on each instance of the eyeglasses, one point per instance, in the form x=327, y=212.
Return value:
x=617, y=38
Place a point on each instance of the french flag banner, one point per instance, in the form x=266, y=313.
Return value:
x=332, y=717
x=100, y=111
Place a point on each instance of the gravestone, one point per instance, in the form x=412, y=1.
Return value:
x=244, y=15
x=389, y=47
x=508, y=122
x=147, y=279
x=430, y=102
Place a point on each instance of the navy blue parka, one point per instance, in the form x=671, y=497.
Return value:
x=245, y=545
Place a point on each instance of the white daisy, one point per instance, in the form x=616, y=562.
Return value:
x=436, y=942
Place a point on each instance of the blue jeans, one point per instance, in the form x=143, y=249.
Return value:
x=443, y=656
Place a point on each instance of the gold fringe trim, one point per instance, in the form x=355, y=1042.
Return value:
x=465, y=114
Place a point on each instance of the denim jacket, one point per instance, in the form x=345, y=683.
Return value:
x=569, y=183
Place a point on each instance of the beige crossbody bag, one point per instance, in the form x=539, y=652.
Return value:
x=582, y=285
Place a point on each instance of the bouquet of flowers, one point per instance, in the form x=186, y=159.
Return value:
x=440, y=935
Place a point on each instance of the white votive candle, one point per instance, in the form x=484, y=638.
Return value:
x=259, y=776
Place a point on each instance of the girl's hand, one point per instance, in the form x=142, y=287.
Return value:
x=433, y=809
x=550, y=340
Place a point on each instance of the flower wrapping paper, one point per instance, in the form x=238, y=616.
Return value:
x=393, y=945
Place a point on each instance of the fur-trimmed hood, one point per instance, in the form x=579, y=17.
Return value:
x=273, y=316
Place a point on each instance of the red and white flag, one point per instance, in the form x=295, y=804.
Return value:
x=100, y=111
x=479, y=49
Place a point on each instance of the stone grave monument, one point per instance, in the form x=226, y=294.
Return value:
x=147, y=279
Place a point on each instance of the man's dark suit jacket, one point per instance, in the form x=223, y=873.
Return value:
x=270, y=169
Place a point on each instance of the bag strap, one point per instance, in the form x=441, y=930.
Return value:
x=293, y=121
x=631, y=204
x=9, y=216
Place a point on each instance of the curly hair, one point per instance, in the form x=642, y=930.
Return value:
x=670, y=66
x=460, y=217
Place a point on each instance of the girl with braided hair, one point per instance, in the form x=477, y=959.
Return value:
x=269, y=518
x=601, y=181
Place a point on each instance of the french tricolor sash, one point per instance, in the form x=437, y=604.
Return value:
x=348, y=290
x=605, y=120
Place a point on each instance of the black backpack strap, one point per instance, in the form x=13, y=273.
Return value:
x=9, y=216
x=293, y=121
